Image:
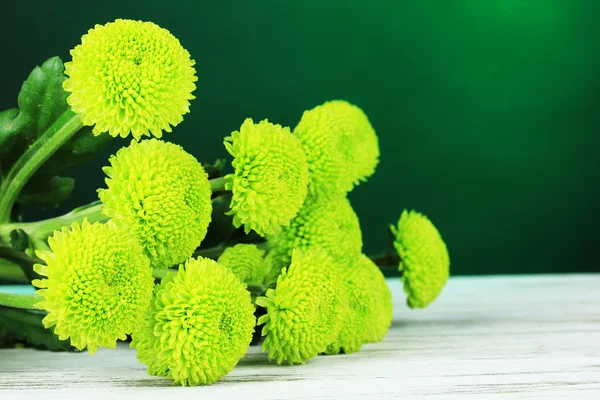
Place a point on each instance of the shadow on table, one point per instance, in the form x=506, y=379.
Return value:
x=256, y=359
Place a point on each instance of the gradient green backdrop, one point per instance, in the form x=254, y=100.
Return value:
x=487, y=110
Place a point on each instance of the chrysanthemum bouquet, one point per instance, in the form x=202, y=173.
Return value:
x=190, y=262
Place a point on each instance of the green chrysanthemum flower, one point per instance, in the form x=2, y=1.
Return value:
x=98, y=284
x=369, y=306
x=246, y=261
x=341, y=146
x=130, y=77
x=162, y=194
x=425, y=263
x=330, y=224
x=306, y=309
x=199, y=325
x=270, y=179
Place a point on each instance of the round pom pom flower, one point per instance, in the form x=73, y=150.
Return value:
x=246, y=261
x=199, y=324
x=341, y=146
x=380, y=314
x=97, y=286
x=330, y=224
x=161, y=194
x=369, y=306
x=306, y=309
x=130, y=77
x=270, y=179
x=424, y=259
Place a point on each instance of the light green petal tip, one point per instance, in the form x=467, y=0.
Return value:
x=161, y=194
x=304, y=311
x=199, y=325
x=425, y=263
x=130, y=77
x=97, y=285
x=369, y=313
x=246, y=261
x=341, y=146
x=327, y=223
x=270, y=180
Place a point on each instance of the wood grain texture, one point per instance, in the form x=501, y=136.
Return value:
x=486, y=337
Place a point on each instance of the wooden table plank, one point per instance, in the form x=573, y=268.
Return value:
x=485, y=337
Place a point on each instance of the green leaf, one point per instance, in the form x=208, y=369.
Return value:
x=19, y=240
x=47, y=193
x=42, y=101
x=20, y=328
x=8, y=132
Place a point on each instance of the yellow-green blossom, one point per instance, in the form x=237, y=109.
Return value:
x=97, y=286
x=379, y=318
x=270, y=179
x=199, y=324
x=369, y=306
x=246, y=261
x=424, y=259
x=306, y=309
x=327, y=223
x=161, y=194
x=341, y=146
x=130, y=77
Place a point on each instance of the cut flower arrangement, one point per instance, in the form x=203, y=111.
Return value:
x=189, y=262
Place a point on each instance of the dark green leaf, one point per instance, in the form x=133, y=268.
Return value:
x=42, y=101
x=24, y=328
x=19, y=240
x=8, y=133
x=47, y=193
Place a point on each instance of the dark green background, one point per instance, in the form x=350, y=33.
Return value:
x=487, y=110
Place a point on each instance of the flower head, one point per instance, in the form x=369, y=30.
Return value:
x=369, y=306
x=425, y=263
x=199, y=325
x=130, y=77
x=246, y=261
x=305, y=310
x=270, y=179
x=97, y=285
x=329, y=224
x=341, y=146
x=161, y=194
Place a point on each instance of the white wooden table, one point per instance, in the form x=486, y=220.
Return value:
x=489, y=337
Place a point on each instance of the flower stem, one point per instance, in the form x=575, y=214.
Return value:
x=41, y=230
x=217, y=184
x=19, y=300
x=36, y=155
